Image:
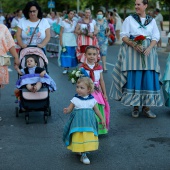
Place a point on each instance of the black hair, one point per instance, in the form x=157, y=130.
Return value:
x=157, y=10
x=70, y=10
x=18, y=10
x=100, y=10
x=28, y=6
x=145, y=2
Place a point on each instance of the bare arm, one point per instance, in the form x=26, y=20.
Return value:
x=102, y=84
x=77, y=30
x=95, y=30
x=13, y=52
x=19, y=39
x=161, y=23
x=61, y=34
x=42, y=73
x=99, y=115
x=46, y=39
x=69, y=108
x=18, y=70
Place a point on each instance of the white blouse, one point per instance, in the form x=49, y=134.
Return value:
x=131, y=27
x=68, y=27
x=80, y=104
x=92, y=24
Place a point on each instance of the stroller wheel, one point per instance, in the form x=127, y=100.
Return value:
x=49, y=111
x=16, y=111
x=45, y=117
x=27, y=119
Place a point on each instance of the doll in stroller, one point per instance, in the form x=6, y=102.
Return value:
x=34, y=84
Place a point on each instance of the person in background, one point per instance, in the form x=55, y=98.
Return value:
x=102, y=36
x=2, y=18
x=87, y=31
x=68, y=43
x=159, y=22
x=118, y=26
x=26, y=33
x=53, y=44
x=16, y=19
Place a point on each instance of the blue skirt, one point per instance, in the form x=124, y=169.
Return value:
x=142, y=89
x=68, y=58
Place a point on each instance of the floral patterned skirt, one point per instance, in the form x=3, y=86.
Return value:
x=4, y=75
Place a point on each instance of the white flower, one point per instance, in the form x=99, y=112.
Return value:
x=73, y=81
x=73, y=72
x=78, y=73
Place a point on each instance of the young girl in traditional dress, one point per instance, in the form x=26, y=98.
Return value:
x=94, y=70
x=81, y=132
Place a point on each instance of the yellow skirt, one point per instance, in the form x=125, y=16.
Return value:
x=83, y=142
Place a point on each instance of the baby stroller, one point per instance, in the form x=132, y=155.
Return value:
x=29, y=101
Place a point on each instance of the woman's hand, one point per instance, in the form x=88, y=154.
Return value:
x=138, y=48
x=90, y=34
x=147, y=51
x=40, y=45
x=16, y=61
x=23, y=46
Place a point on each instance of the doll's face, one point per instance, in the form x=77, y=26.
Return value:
x=31, y=62
x=91, y=56
x=82, y=89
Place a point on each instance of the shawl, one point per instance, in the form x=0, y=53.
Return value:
x=147, y=21
x=96, y=67
x=81, y=21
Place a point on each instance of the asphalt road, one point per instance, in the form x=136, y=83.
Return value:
x=131, y=144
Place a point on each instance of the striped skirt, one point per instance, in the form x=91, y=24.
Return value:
x=80, y=133
x=82, y=42
x=134, y=85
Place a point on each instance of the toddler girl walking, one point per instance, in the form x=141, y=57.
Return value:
x=81, y=131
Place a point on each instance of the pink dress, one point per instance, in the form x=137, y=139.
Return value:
x=98, y=95
x=6, y=42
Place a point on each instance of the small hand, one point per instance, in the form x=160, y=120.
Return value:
x=65, y=110
x=105, y=96
x=16, y=67
x=42, y=74
x=103, y=123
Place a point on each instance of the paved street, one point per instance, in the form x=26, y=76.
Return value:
x=131, y=144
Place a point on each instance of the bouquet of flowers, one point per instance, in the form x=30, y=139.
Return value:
x=139, y=41
x=76, y=74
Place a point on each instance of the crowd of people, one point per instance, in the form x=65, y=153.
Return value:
x=78, y=38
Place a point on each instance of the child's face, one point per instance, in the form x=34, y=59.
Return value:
x=31, y=62
x=91, y=55
x=82, y=89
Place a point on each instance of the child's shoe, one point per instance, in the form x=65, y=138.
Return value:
x=85, y=159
